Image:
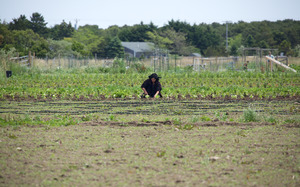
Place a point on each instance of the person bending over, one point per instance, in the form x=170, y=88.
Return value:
x=152, y=86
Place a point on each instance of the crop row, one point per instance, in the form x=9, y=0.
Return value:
x=194, y=85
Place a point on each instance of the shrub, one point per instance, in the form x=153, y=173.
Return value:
x=250, y=115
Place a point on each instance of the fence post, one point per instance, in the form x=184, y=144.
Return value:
x=175, y=62
x=59, y=65
x=33, y=61
x=29, y=58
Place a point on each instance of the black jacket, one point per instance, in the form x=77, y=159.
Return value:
x=151, y=88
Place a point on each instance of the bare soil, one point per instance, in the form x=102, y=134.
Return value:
x=101, y=153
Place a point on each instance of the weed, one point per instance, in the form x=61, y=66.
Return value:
x=241, y=133
x=188, y=127
x=86, y=117
x=222, y=117
x=195, y=119
x=205, y=118
x=178, y=112
x=161, y=154
x=270, y=119
x=177, y=121
x=111, y=118
x=247, y=151
x=249, y=115
x=12, y=136
x=123, y=124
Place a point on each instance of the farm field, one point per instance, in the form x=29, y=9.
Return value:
x=80, y=85
x=149, y=143
x=210, y=129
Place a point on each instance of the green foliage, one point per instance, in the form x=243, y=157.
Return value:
x=295, y=67
x=59, y=120
x=26, y=40
x=21, y=23
x=177, y=36
x=285, y=47
x=234, y=44
x=160, y=41
x=38, y=24
x=221, y=116
x=119, y=82
x=270, y=119
x=186, y=127
x=61, y=31
x=205, y=118
x=79, y=48
x=114, y=48
x=60, y=49
x=161, y=154
x=119, y=65
x=91, y=37
x=249, y=115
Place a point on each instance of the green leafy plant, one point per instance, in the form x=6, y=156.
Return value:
x=161, y=154
x=205, y=118
x=249, y=115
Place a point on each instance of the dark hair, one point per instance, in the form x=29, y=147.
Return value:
x=154, y=75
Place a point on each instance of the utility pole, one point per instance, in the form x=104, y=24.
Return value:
x=76, y=23
x=227, y=34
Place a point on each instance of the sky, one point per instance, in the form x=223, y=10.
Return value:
x=105, y=13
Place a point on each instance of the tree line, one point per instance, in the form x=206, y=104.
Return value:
x=175, y=37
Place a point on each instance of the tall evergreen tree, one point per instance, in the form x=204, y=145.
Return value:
x=21, y=23
x=64, y=30
x=114, y=48
x=38, y=24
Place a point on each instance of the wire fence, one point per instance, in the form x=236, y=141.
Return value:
x=156, y=63
x=161, y=63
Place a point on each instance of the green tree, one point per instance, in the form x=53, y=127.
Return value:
x=136, y=33
x=6, y=36
x=235, y=43
x=160, y=41
x=249, y=41
x=64, y=30
x=202, y=36
x=38, y=24
x=80, y=49
x=179, y=44
x=114, y=48
x=279, y=37
x=60, y=48
x=263, y=44
x=25, y=41
x=21, y=23
x=90, y=37
x=285, y=47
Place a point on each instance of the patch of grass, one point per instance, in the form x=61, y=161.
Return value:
x=194, y=119
x=87, y=117
x=270, y=119
x=186, y=127
x=249, y=115
x=177, y=121
x=59, y=120
x=205, y=118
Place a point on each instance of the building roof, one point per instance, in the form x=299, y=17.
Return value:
x=196, y=54
x=139, y=46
